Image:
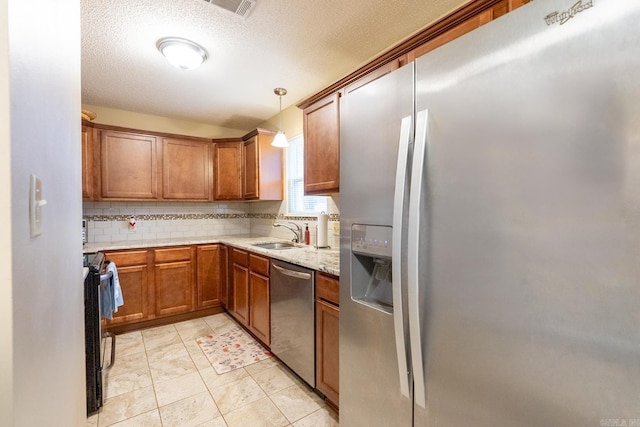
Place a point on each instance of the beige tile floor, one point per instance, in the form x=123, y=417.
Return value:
x=161, y=377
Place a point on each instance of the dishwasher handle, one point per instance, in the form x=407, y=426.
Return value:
x=291, y=273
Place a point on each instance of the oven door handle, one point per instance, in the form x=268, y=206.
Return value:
x=108, y=275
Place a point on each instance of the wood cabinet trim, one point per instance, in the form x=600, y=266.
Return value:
x=106, y=127
x=396, y=52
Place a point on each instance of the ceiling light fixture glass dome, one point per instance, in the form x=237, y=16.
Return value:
x=182, y=53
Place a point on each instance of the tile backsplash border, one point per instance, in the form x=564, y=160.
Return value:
x=108, y=221
x=185, y=216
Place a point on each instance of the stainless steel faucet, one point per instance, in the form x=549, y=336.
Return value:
x=297, y=231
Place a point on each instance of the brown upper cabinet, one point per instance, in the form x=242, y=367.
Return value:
x=248, y=169
x=227, y=167
x=186, y=169
x=128, y=165
x=136, y=165
x=87, y=162
x=322, y=146
x=262, y=167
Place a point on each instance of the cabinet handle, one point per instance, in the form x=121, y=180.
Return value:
x=291, y=273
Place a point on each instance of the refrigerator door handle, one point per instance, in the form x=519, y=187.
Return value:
x=413, y=257
x=397, y=245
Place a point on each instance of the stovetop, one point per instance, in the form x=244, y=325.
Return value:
x=93, y=260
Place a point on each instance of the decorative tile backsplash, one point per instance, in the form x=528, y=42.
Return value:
x=109, y=221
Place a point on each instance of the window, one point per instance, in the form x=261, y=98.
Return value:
x=297, y=202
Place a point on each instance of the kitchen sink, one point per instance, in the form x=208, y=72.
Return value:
x=276, y=246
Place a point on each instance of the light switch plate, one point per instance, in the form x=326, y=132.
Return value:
x=36, y=202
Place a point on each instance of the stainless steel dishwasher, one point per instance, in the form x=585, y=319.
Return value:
x=293, y=318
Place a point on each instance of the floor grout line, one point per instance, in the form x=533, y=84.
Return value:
x=188, y=332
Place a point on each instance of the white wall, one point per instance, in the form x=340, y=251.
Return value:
x=148, y=122
x=6, y=335
x=47, y=306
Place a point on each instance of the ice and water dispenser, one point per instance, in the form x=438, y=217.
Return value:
x=371, y=282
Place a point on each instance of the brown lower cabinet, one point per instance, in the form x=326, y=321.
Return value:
x=164, y=282
x=259, y=299
x=174, y=280
x=328, y=336
x=249, y=291
x=134, y=275
x=211, y=261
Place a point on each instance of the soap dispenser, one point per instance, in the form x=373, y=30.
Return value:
x=307, y=235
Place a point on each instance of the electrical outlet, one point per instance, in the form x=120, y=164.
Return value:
x=336, y=228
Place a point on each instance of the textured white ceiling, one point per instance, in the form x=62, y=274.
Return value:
x=302, y=45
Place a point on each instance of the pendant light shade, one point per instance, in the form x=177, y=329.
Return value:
x=182, y=53
x=280, y=139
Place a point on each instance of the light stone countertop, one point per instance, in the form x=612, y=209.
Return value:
x=324, y=260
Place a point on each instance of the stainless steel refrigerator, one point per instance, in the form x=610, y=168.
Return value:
x=490, y=227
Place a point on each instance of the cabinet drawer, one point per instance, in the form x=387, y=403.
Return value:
x=173, y=254
x=259, y=264
x=124, y=259
x=328, y=288
x=240, y=257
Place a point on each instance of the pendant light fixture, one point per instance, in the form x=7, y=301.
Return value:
x=280, y=140
x=182, y=53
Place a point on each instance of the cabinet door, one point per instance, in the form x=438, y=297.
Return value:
x=228, y=171
x=250, y=153
x=259, y=307
x=87, y=162
x=241, y=293
x=186, y=169
x=322, y=146
x=209, y=277
x=224, y=276
x=128, y=165
x=173, y=287
x=327, y=350
x=133, y=274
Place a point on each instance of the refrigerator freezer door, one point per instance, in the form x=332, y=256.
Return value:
x=533, y=170
x=371, y=117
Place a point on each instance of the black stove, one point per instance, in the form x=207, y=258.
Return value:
x=92, y=330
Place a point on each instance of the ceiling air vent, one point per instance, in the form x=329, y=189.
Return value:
x=239, y=7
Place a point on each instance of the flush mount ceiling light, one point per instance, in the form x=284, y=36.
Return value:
x=182, y=53
x=280, y=140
